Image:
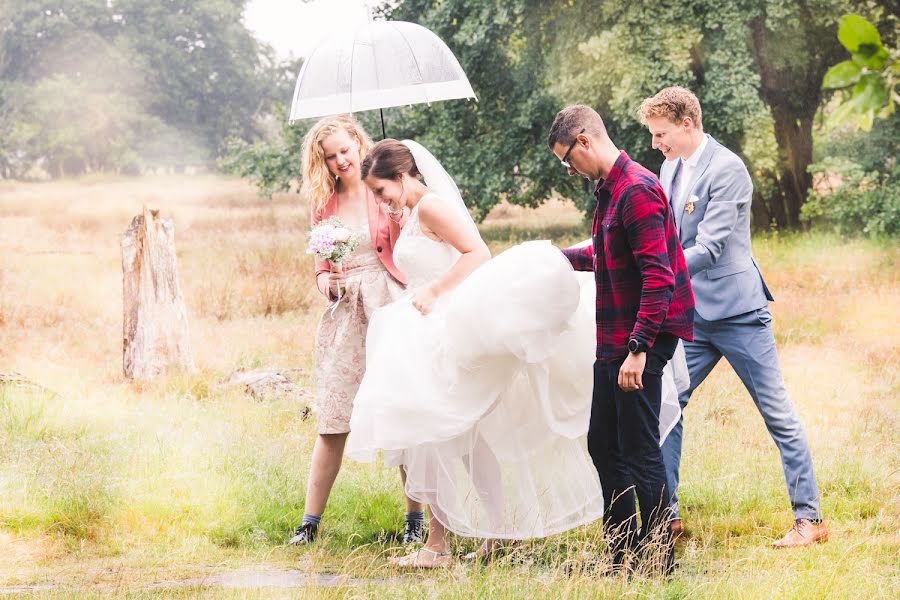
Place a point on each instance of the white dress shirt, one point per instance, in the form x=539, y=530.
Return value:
x=688, y=167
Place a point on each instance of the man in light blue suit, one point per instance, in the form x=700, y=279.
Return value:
x=710, y=191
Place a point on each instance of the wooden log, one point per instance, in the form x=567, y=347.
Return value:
x=155, y=327
x=14, y=379
x=270, y=384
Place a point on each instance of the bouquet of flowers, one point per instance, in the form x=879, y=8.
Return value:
x=331, y=240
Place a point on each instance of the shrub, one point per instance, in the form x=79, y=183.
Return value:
x=854, y=201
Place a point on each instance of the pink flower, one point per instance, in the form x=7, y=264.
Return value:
x=331, y=240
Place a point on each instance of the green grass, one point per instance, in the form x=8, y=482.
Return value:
x=109, y=487
x=64, y=474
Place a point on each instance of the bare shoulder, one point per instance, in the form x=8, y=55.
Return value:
x=433, y=208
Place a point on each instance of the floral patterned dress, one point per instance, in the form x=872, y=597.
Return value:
x=339, y=357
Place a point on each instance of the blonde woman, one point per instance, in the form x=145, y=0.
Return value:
x=332, y=153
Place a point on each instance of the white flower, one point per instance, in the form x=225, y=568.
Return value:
x=342, y=234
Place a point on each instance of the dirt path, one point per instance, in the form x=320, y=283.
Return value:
x=251, y=578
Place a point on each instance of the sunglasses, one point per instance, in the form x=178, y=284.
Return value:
x=565, y=159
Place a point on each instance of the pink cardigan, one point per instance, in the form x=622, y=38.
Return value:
x=383, y=230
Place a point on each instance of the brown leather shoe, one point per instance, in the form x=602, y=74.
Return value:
x=676, y=527
x=803, y=533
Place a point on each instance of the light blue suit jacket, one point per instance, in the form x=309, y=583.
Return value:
x=715, y=235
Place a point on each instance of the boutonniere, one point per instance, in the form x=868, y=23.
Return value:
x=689, y=207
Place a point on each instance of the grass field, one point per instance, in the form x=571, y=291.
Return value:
x=156, y=489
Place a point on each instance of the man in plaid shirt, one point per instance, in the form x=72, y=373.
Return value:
x=644, y=304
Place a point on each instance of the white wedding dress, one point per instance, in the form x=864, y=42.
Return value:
x=486, y=400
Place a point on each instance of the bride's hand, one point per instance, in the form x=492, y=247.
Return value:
x=424, y=300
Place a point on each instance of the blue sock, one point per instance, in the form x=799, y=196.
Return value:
x=415, y=516
x=309, y=519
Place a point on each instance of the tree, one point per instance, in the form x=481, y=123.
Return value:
x=601, y=62
x=750, y=62
x=793, y=46
x=76, y=129
x=143, y=83
x=204, y=72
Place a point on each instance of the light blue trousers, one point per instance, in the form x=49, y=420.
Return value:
x=747, y=343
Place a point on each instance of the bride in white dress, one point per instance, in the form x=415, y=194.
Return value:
x=479, y=381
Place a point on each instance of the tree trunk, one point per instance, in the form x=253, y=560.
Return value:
x=155, y=328
x=795, y=150
x=759, y=210
x=792, y=90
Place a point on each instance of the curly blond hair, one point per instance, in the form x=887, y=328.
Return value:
x=674, y=103
x=318, y=182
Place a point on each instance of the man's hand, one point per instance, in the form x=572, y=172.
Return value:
x=632, y=371
x=424, y=300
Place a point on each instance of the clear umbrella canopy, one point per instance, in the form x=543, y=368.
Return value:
x=379, y=65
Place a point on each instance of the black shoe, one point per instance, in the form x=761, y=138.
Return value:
x=414, y=532
x=305, y=534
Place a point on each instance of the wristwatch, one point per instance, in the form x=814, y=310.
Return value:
x=636, y=346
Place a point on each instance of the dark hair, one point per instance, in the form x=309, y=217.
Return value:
x=388, y=159
x=570, y=120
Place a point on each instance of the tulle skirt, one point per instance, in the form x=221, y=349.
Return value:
x=486, y=400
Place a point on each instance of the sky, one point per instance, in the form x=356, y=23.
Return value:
x=294, y=28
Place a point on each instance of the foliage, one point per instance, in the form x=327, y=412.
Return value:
x=203, y=69
x=856, y=180
x=747, y=61
x=869, y=79
x=91, y=85
x=858, y=189
x=703, y=48
x=869, y=149
x=864, y=202
x=495, y=148
x=75, y=128
x=756, y=67
x=273, y=163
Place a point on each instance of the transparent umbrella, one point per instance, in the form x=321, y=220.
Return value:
x=379, y=65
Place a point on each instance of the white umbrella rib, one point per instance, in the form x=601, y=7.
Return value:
x=352, y=55
x=377, y=78
x=416, y=62
x=306, y=63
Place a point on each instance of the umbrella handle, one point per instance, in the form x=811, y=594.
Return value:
x=383, y=134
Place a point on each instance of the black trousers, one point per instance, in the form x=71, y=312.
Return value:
x=623, y=441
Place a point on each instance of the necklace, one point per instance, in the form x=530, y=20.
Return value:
x=394, y=214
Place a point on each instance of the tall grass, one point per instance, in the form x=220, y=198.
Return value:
x=56, y=480
x=109, y=486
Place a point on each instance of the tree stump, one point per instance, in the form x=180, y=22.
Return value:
x=155, y=328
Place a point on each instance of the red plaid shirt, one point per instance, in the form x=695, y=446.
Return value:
x=643, y=285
